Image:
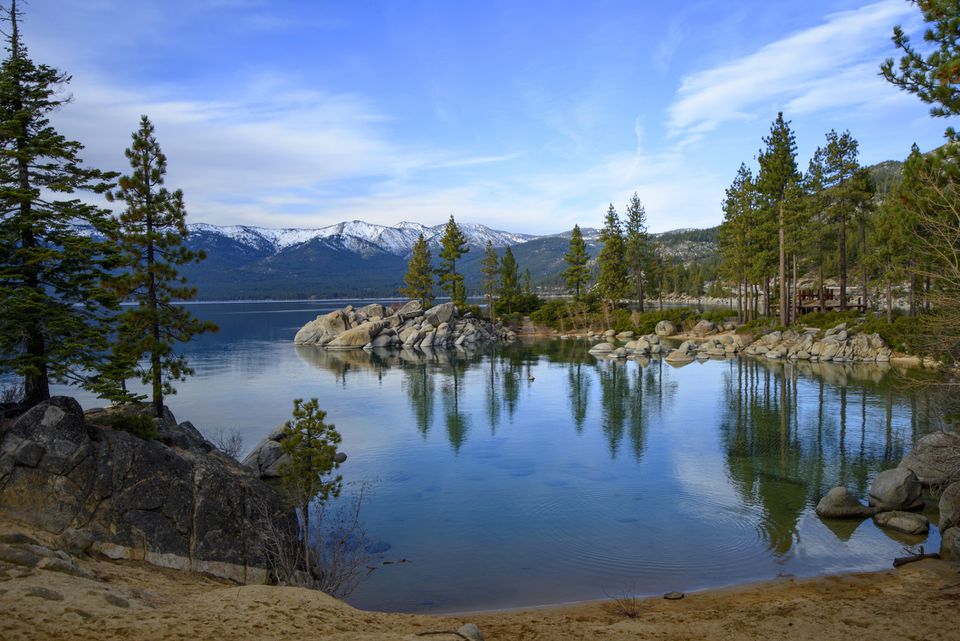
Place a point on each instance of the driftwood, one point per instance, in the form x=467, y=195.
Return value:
x=914, y=556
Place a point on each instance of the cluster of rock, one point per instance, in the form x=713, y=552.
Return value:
x=897, y=494
x=717, y=347
x=408, y=326
x=174, y=502
x=633, y=346
x=837, y=345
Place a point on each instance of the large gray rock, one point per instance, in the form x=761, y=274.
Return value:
x=935, y=459
x=684, y=354
x=906, y=522
x=896, y=489
x=356, y=337
x=410, y=309
x=373, y=310
x=950, y=543
x=323, y=329
x=950, y=507
x=703, y=328
x=839, y=503
x=442, y=313
x=603, y=348
x=665, y=328
x=133, y=498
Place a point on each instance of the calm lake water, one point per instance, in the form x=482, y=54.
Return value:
x=537, y=474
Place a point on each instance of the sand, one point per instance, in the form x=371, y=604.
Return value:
x=133, y=600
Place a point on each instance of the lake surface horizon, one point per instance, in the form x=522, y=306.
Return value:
x=537, y=474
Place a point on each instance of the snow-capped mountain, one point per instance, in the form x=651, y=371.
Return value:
x=357, y=236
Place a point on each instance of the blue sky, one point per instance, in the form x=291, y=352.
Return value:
x=526, y=116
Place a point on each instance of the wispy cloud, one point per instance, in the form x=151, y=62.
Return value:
x=808, y=70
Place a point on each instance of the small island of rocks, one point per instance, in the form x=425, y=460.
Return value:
x=406, y=327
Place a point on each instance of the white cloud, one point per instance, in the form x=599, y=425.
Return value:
x=808, y=71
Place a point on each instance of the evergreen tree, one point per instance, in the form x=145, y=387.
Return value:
x=847, y=192
x=777, y=182
x=311, y=448
x=637, y=246
x=815, y=201
x=419, y=276
x=489, y=267
x=576, y=274
x=150, y=236
x=612, y=282
x=55, y=313
x=453, y=245
x=734, y=233
x=527, y=281
x=932, y=77
x=509, y=282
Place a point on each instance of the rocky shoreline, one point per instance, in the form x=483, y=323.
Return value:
x=409, y=326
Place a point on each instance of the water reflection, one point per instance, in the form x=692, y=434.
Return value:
x=791, y=431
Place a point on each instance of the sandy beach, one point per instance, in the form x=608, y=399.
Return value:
x=133, y=600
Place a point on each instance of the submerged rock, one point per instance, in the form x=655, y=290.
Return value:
x=906, y=522
x=839, y=503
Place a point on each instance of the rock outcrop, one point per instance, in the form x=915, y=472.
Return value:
x=181, y=505
x=837, y=345
x=408, y=327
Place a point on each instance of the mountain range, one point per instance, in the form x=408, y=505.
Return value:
x=359, y=259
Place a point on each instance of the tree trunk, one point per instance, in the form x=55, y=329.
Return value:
x=784, y=312
x=889, y=304
x=794, y=305
x=913, y=294
x=863, y=264
x=843, y=263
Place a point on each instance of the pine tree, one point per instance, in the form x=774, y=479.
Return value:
x=734, y=235
x=489, y=267
x=151, y=238
x=816, y=202
x=509, y=282
x=612, y=282
x=419, y=276
x=932, y=77
x=54, y=313
x=453, y=245
x=846, y=192
x=778, y=181
x=576, y=274
x=637, y=246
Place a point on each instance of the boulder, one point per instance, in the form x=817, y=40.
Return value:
x=411, y=309
x=625, y=336
x=372, y=310
x=935, y=459
x=906, y=522
x=357, y=337
x=323, y=329
x=442, y=313
x=134, y=498
x=896, y=489
x=704, y=328
x=665, y=328
x=950, y=507
x=602, y=348
x=950, y=543
x=839, y=503
x=684, y=354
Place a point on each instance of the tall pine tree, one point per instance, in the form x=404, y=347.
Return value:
x=637, y=246
x=509, y=282
x=612, y=282
x=453, y=245
x=419, y=277
x=778, y=181
x=576, y=274
x=151, y=238
x=846, y=192
x=489, y=267
x=734, y=234
x=53, y=309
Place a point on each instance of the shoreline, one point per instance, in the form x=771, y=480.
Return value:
x=130, y=599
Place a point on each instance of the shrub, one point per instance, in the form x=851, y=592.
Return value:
x=826, y=320
x=139, y=423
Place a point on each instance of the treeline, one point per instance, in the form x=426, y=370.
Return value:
x=893, y=227
x=61, y=285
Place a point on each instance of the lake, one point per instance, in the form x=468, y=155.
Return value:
x=536, y=474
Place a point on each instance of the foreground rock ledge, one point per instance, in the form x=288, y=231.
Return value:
x=178, y=504
x=408, y=326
